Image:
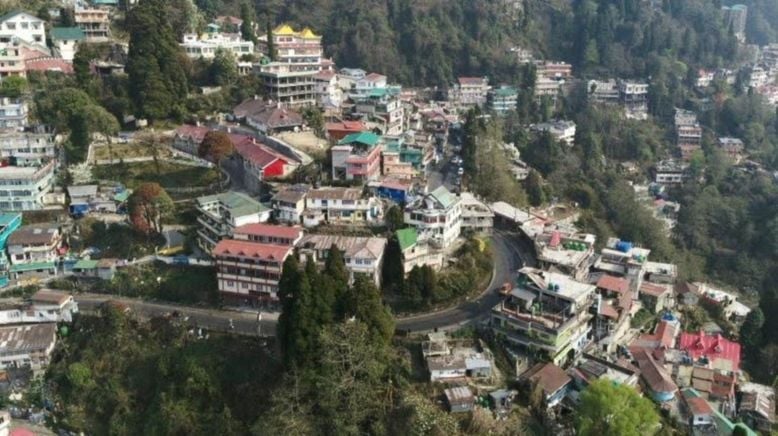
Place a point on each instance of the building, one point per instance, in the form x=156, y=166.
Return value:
x=268, y=234
x=600, y=91
x=554, y=70
x=66, y=40
x=23, y=188
x=363, y=255
x=328, y=93
x=732, y=147
x=654, y=378
x=44, y=306
x=206, y=45
x=259, y=161
x=547, y=311
x=688, y=139
x=459, y=399
x=735, y=19
x=713, y=351
x=9, y=222
x=34, y=249
x=634, y=98
x=569, y=253
x=289, y=77
x=220, y=214
x=27, y=148
x=546, y=88
x=12, y=61
x=560, y=130
x=416, y=253
x=552, y=381
x=655, y=297
x=27, y=346
x=670, y=172
x=623, y=258
x=477, y=217
x=503, y=99
x=13, y=113
x=713, y=384
x=188, y=138
x=274, y=118
x=289, y=204
x=21, y=26
x=590, y=368
x=95, y=23
x=357, y=157
x=85, y=199
x=397, y=160
x=437, y=217
x=369, y=83
x=340, y=129
x=700, y=414
x=470, y=91
x=340, y=206
x=757, y=406
x=382, y=106
x=249, y=271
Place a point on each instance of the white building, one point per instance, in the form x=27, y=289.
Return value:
x=44, y=306
x=345, y=206
x=476, y=216
x=470, y=91
x=36, y=243
x=220, y=214
x=24, y=27
x=560, y=130
x=13, y=113
x=328, y=93
x=369, y=82
x=362, y=255
x=66, y=40
x=27, y=147
x=289, y=204
x=437, y=217
x=205, y=46
x=23, y=188
x=670, y=172
x=27, y=346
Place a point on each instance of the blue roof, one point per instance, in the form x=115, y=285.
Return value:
x=8, y=218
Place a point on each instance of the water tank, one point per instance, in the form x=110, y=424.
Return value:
x=624, y=246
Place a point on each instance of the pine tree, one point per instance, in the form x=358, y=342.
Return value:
x=272, y=54
x=392, y=272
x=363, y=302
x=247, y=26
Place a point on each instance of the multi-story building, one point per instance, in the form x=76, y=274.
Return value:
x=27, y=148
x=205, y=46
x=268, y=234
x=289, y=204
x=547, y=311
x=9, y=222
x=437, y=217
x=735, y=19
x=259, y=161
x=289, y=77
x=470, y=91
x=600, y=91
x=569, y=253
x=546, y=87
x=44, y=306
x=95, y=23
x=66, y=40
x=503, y=99
x=732, y=147
x=34, y=250
x=554, y=70
x=624, y=259
x=477, y=217
x=670, y=172
x=27, y=346
x=21, y=26
x=23, y=188
x=369, y=83
x=634, y=98
x=13, y=113
x=220, y=214
x=382, y=105
x=340, y=206
x=362, y=255
x=328, y=93
x=357, y=157
x=249, y=271
x=12, y=61
x=560, y=130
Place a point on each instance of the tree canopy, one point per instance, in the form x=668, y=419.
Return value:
x=607, y=408
x=149, y=204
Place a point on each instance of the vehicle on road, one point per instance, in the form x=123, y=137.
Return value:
x=460, y=171
x=505, y=288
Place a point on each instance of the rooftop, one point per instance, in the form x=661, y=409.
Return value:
x=231, y=247
x=34, y=234
x=352, y=246
x=67, y=34
x=613, y=284
x=27, y=338
x=367, y=138
x=443, y=196
x=335, y=193
x=259, y=229
x=459, y=395
x=49, y=296
x=722, y=353
x=549, y=377
x=653, y=289
x=238, y=203
x=558, y=284
x=291, y=194
x=406, y=238
x=653, y=373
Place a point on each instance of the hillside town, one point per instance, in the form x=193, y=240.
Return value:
x=504, y=305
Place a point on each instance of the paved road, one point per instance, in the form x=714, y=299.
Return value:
x=510, y=254
x=212, y=319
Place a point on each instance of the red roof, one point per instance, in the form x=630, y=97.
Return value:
x=324, y=75
x=259, y=229
x=549, y=377
x=472, y=80
x=21, y=431
x=698, y=406
x=609, y=311
x=48, y=64
x=714, y=347
x=347, y=126
x=232, y=247
x=614, y=284
x=196, y=133
x=556, y=239
x=255, y=152
x=653, y=373
x=374, y=77
x=653, y=289
x=663, y=337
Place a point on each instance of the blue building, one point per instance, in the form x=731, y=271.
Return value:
x=9, y=222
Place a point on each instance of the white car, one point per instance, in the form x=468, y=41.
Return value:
x=460, y=171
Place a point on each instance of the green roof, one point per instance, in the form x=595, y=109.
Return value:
x=67, y=33
x=406, y=238
x=505, y=91
x=22, y=267
x=105, y=2
x=8, y=218
x=444, y=197
x=122, y=196
x=367, y=138
x=238, y=203
x=85, y=264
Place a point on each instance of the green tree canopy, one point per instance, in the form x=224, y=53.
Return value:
x=607, y=408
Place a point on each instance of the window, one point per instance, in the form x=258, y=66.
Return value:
x=230, y=283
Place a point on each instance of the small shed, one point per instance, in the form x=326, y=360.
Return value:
x=106, y=268
x=85, y=268
x=459, y=399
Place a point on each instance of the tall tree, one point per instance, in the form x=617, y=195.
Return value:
x=534, y=186
x=607, y=408
x=751, y=331
x=272, y=54
x=149, y=204
x=216, y=146
x=224, y=68
x=363, y=303
x=247, y=26
x=394, y=218
x=392, y=272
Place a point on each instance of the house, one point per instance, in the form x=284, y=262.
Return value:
x=446, y=368
x=661, y=273
x=249, y=271
x=95, y=23
x=328, y=93
x=713, y=351
x=268, y=234
x=370, y=82
x=470, y=91
x=340, y=129
x=27, y=346
x=624, y=259
x=477, y=217
x=357, y=157
x=614, y=304
x=503, y=99
x=663, y=338
x=34, y=249
x=416, y=253
x=259, y=161
x=206, y=46
x=362, y=255
x=250, y=106
x=44, y=306
x=106, y=268
x=590, y=368
x=66, y=40
x=382, y=106
x=757, y=406
x=699, y=412
x=13, y=113
x=85, y=268
x=547, y=312
x=570, y=253
x=655, y=297
x=24, y=187
x=188, y=138
x=552, y=381
x=21, y=26
x=459, y=399
x=654, y=378
x=732, y=147
x=85, y=199
x=289, y=203
x=437, y=217
x=9, y=222
x=398, y=191
x=340, y=206
x=273, y=119
x=554, y=70
x=435, y=345
x=27, y=148
x=714, y=384
x=560, y=130
x=220, y=214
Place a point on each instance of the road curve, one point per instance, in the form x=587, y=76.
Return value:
x=510, y=253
